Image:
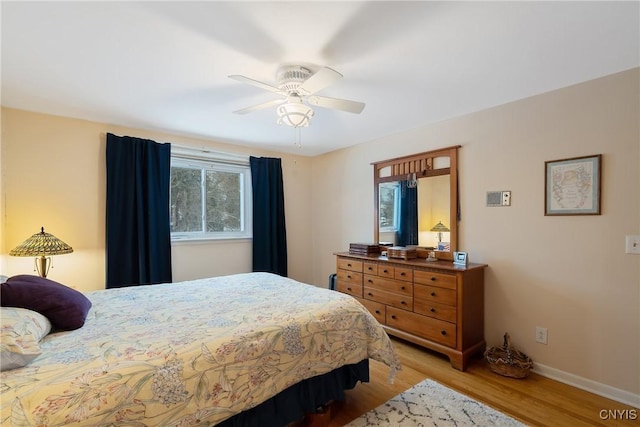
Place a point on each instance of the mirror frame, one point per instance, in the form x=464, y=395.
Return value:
x=422, y=165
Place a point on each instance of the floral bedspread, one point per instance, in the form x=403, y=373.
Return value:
x=189, y=353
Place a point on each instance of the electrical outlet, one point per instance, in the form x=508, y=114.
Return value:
x=541, y=335
x=632, y=244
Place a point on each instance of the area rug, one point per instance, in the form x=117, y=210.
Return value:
x=432, y=404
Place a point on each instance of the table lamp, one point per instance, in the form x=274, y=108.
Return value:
x=440, y=228
x=41, y=245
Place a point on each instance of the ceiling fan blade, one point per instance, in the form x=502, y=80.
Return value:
x=318, y=81
x=257, y=107
x=256, y=83
x=336, y=104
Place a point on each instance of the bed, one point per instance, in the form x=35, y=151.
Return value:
x=230, y=350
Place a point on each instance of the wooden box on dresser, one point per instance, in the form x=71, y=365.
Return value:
x=437, y=305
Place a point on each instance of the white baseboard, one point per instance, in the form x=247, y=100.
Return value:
x=591, y=386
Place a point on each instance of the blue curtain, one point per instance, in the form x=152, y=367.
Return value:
x=138, y=230
x=408, y=228
x=269, y=231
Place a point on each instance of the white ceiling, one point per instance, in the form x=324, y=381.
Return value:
x=164, y=65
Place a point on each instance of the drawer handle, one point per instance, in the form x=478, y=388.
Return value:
x=393, y=316
x=348, y=289
x=433, y=310
x=403, y=274
x=370, y=281
x=377, y=311
x=403, y=288
x=385, y=271
x=370, y=294
x=348, y=276
x=433, y=294
x=348, y=265
x=403, y=303
x=370, y=269
x=433, y=279
x=443, y=332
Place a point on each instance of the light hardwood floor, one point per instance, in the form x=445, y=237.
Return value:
x=535, y=400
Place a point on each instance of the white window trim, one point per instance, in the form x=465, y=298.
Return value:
x=206, y=154
x=213, y=160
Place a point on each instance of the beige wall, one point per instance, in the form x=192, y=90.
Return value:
x=568, y=274
x=54, y=176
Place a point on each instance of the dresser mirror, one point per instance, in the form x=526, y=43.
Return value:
x=416, y=201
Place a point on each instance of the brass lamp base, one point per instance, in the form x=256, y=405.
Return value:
x=43, y=264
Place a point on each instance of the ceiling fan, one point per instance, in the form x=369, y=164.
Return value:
x=297, y=86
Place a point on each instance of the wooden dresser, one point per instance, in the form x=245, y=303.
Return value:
x=434, y=304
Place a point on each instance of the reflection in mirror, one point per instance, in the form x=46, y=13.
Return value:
x=416, y=201
x=407, y=215
x=434, y=207
x=389, y=197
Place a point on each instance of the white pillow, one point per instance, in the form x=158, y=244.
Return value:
x=20, y=334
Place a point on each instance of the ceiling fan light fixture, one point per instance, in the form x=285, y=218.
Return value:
x=294, y=114
x=299, y=84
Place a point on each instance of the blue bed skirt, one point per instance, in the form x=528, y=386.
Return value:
x=302, y=398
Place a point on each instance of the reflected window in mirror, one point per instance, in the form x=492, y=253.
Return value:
x=398, y=213
x=389, y=207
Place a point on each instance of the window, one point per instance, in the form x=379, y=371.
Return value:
x=209, y=199
x=389, y=207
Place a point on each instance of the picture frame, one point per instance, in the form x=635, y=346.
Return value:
x=573, y=186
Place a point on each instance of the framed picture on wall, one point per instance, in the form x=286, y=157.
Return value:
x=572, y=186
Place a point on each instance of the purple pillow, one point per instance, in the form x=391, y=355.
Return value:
x=65, y=308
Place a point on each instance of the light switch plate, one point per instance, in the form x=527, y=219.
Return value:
x=632, y=244
x=506, y=198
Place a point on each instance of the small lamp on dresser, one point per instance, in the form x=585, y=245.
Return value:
x=42, y=245
x=440, y=228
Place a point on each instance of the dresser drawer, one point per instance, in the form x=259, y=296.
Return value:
x=386, y=271
x=431, y=278
x=349, y=276
x=435, y=294
x=388, y=285
x=389, y=298
x=377, y=309
x=350, y=264
x=433, y=309
x=353, y=289
x=371, y=268
x=422, y=326
x=404, y=274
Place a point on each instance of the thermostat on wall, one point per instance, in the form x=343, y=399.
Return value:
x=498, y=198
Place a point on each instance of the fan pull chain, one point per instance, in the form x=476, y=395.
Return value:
x=297, y=137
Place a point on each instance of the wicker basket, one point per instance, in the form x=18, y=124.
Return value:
x=508, y=361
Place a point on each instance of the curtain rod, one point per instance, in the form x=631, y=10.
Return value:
x=202, y=151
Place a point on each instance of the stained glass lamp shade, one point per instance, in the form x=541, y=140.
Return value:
x=42, y=245
x=440, y=228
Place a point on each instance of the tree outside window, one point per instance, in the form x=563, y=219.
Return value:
x=389, y=197
x=209, y=200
